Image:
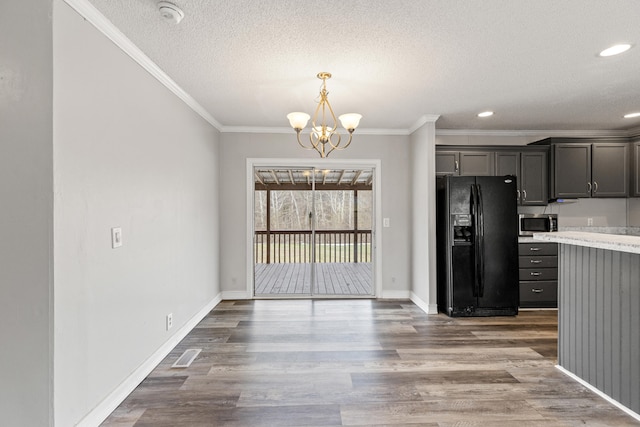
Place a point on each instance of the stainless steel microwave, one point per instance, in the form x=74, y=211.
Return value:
x=537, y=223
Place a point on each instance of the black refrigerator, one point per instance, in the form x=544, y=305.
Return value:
x=477, y=241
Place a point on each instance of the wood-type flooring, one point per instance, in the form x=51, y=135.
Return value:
x=364, y=363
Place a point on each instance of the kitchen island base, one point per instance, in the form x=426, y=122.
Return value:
x=599, y=314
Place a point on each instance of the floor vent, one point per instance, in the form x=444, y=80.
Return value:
x=187, y=357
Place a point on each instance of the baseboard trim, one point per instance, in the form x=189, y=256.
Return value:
x=231, y=295
x=598, y=392
x=117, y=396
x=427, y=308
x=395, y=295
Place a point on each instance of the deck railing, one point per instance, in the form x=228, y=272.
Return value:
x=295, y=246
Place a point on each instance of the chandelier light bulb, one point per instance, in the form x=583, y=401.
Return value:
x=298, y=120
x=350, y=121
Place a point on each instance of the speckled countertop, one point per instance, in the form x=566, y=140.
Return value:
x=613, y=242
x=526, y=239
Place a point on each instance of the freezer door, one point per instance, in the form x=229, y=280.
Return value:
x=460, y=289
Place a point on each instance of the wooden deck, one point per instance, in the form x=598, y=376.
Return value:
x=331, y=279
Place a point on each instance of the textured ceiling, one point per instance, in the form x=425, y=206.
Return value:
x=534, y=63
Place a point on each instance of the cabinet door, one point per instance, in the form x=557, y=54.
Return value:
x=447, y=163
x=507, y=163
x=610, y=170
x=572, y=170
x=534, y=184
x=476, y=163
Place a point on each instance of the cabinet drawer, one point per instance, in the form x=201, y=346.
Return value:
x=550, y=261
x=538, y=274
x=526, y=249
x=533, y=294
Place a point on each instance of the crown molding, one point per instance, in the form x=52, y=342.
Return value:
x=106, y=27
x=427, y=118
x=635, y=132
x=544, y=133
x=451, y=132
x=288, y=130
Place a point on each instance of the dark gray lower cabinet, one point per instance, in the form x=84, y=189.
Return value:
x=538, y=275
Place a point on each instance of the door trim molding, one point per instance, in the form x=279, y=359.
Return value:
x=375, y=164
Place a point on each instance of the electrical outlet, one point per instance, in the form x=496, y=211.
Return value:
x=169, y=321
x=589, y=221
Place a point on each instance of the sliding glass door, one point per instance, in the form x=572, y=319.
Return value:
x=313, y=232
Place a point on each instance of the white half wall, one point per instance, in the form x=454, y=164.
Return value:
x=423, y=220
x=26, y=213
x=128, y=153
x=393, y=153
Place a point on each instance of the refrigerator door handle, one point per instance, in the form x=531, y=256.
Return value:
x=480, y=246
x=476, y=239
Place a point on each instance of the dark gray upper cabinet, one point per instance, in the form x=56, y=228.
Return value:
x=585, y=169
x=572, y=170
x=476, y=163
x=470, y=163
x=508, y=163
x=533, y=178
x=531, y=170
x=447, y=162
x=610, y=170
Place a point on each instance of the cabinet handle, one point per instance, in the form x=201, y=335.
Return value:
x=524, y=195
x=588, y=187
x=536, y=261
x=534, y=249
x=595, y=187
x=535, y=273
x=518, y=196
x=457, y=166
x=537, y=291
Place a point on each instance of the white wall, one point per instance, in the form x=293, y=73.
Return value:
x=393, y=151
x=26, y=224
x=423, y=232
x=127, y=153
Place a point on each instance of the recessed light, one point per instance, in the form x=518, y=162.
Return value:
x=615, y=49
x=485, y=114
x=631, y=115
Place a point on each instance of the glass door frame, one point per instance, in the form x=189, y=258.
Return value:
x=321, y=164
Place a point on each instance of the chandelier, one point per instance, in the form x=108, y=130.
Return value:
x=324, y=136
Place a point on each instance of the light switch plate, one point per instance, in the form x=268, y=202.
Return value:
x=386, y=222
x=116, y=237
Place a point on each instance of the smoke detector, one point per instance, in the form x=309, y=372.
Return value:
x=170, y=12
